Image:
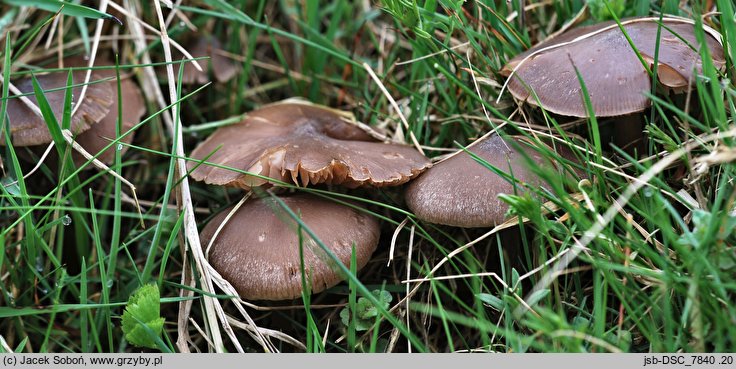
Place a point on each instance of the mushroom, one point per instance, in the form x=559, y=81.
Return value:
x=614, y=76
x=222, y=67
x=257, y=250
x=462, y=192
x=98, y=136
x=300, y=141
x=29, y=129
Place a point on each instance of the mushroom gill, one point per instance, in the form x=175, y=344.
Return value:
x=306, y=144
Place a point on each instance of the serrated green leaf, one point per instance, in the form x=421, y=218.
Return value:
x=139, y=336
x=383, y=296
x=345, y=316
x=365, y=311
x=144, y=308
x=624, y=340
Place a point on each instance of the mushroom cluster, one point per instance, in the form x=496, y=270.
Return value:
x=94, y=122
x=305, y=144
x=545, y=75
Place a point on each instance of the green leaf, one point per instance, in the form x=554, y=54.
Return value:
x=11, y=185
x=49, y=117
x=602, y=9
x=65, y=8
x=515, y=285
x=580, y=323
x=624, y=340
x=142, y=321
x=368, y=309
x=7, y=19
x=537, y=296
x=365, y=311
x=491, y=300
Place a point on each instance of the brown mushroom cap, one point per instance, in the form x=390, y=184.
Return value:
x=615, y=78
x=289, y=140
x=462, y=192
x=28, y=129
x=222, y=67
x=134, y=107
x=257, y=250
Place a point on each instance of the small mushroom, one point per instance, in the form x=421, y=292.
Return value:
x=134, y=107
x=257, y=250
x=299, y=141
x=29, y=129
x=221, y=67
x=462, y=192
x=613, y=74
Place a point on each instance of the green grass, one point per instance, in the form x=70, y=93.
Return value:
x=656, y=276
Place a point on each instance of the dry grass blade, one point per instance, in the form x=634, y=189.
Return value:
x=139, y=22
x=35, y=168
x=183, y=194
x=4, y=344
x=92, y=56
x=225, y=221
x=268, y=332
x=69, y=138
x=408, y=275
x=394, y=105
x=213, y=308
x=464, y=44
x=485, y=111
x=512, y=222
x=394, y=238
x=23, y=98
